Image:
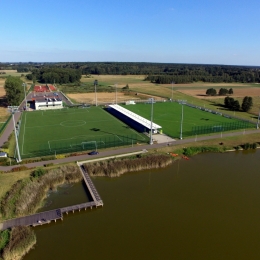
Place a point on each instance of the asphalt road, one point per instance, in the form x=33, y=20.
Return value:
x=108, y=153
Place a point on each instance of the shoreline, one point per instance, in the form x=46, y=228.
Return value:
x=154, y=153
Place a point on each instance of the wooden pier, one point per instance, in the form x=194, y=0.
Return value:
x=47, y=217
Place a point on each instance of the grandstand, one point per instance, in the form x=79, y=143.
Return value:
x=137, y=122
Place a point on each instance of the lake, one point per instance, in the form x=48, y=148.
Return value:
x=207, y=207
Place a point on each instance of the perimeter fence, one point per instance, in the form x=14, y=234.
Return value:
x=5, y=124
x=74, y=145
x=221, y=127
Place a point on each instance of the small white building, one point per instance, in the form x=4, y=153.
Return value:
x=46, y=102
x=130, y=102
x=3, y=154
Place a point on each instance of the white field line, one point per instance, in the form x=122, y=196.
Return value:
x=71, y=138
x=24, y=132
x=119, y=138
x=36, y=126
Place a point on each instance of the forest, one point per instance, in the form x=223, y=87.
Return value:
x=160, y=73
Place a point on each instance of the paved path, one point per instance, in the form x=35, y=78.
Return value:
x=135, y=148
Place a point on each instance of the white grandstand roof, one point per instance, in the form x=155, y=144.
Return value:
x=141, y=120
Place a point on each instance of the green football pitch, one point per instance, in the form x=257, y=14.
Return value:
x=71, y=130
x=169, y=116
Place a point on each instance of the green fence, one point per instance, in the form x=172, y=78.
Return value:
x=221, y=127
x=79, y=145
x=5, y=124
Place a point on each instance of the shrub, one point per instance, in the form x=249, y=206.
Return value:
x=246, y=146
x=38, y=172
x=21, y=241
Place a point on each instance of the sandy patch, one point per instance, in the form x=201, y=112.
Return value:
x=106, y=97
x=101, y=97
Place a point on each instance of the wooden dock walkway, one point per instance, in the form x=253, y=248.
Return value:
x=92, y=189
x=56, y=214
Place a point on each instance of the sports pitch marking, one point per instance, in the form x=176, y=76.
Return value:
x=73, y=123
x=79, y=137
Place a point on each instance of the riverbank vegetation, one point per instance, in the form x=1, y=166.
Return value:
x=26, y=195
x=16, y=243
x=116, y=167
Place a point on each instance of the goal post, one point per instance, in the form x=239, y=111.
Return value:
x=84, y=144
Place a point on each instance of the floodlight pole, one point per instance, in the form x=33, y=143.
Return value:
x=95, y=84
x=16, y=140
x=181, y=119
x=172, y=90
x=151, y=131
x=257, y=126
x=116, y=93
x=24, y=85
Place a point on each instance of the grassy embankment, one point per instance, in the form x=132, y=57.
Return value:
x=116, y=167
x=25, y=196
x=17, y=242
x=27, y=192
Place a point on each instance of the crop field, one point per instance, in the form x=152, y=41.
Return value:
x=72, y=130
x=169, y=114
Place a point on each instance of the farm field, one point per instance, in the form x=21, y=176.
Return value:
x=71, y=130
x=192, y=92
x=168, y=115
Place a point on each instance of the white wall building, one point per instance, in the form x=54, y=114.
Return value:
x=48, y=103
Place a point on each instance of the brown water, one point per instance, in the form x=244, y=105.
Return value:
x=205, y=208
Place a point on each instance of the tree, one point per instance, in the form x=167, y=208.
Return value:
x=126, y=87
x=236, y=106
x=230, y=91
x=14, y=90
x=247, y=103
x=211, y=92
x=223, y=92
x=228, y=101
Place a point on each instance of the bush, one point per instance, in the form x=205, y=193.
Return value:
x=254, y=146
x=38, y=172
x=189, y=151
x=246, y=146
x=21, y=241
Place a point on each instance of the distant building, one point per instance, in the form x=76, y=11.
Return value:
x=3, y=154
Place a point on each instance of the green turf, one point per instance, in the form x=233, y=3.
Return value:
x=58, y=131
x=168, y=115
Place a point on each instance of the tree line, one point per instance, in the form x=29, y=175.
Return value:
x=234, y=105
x=160, y=73
x=55, y=75
x=221, y=92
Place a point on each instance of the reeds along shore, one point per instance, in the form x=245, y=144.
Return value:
x=116, y=167
x=26, y=196
x=22, y=239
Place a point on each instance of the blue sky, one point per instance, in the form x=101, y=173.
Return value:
x=174, y=31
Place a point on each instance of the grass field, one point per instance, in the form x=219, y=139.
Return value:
x=71, y=130
x=168, y=115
